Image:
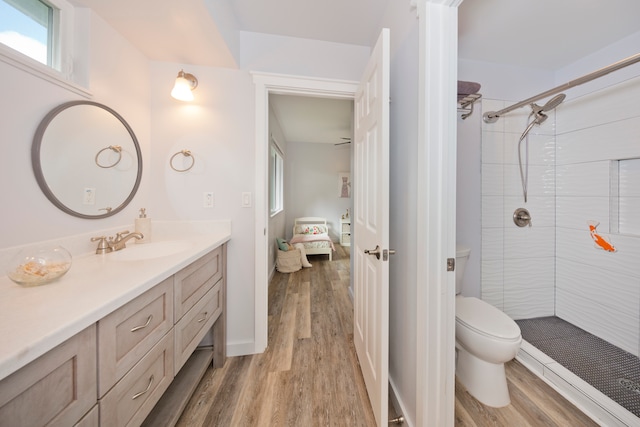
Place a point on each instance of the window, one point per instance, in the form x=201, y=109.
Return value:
x=28, y=27
x=38, y=36
x=276, y=181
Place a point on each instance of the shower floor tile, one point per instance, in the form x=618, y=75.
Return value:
x=615, y=372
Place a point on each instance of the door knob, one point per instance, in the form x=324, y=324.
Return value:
x=375, y=252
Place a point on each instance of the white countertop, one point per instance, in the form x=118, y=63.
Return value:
x=34, y=320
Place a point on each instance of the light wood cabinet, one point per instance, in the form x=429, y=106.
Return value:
x=195, y=280
x=190, y=330
x=135, y=395
x=57, y=389
x=116, y=371
x=128, y=333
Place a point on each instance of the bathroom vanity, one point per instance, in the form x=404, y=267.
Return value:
x=105, y=343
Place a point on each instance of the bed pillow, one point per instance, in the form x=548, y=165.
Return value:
x=282, y=245
x=311, y=229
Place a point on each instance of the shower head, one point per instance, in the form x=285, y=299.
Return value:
x=550, y=105
x=538, y=111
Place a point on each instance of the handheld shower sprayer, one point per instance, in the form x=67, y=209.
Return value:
x=539, y=116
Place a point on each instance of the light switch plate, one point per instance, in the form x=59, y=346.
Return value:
x=246, y=200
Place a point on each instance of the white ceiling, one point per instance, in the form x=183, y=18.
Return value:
x=546, y=34
x=313, y=120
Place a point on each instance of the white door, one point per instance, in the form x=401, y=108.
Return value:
x=371, y=227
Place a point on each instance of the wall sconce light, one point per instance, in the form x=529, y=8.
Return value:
x=185, y=83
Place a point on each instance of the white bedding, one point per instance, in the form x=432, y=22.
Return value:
x=307, y=229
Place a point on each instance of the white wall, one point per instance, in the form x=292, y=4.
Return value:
x=301, y=57
x=28, y=216
x=312, y=186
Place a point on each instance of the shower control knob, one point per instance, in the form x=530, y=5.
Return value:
x=522, y=218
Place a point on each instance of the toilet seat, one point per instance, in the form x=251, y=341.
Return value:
x=485, y=319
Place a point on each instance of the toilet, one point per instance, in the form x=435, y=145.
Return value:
x=486, y=338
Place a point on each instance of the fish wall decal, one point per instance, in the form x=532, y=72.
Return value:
x=600, y=242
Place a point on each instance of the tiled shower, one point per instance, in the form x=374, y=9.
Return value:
x=584, y=165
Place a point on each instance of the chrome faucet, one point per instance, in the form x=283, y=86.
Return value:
x=111, y=244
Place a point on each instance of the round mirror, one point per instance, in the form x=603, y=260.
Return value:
x=86, y=159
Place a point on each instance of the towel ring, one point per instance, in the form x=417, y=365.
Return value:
x=115, y=149
x=185, y=153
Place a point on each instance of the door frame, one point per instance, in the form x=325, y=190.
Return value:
x=436, y=204
x=265, y=84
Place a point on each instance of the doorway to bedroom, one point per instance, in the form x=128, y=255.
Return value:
x=310, y=169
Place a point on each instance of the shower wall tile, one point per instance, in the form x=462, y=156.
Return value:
x=630, y=177
x=529, y=242
x=542, y=180
x=609, y=141
x=492, y=180
x=574, y=212
x=494, y=298
x=525, y=303
x=629, y=197
x=606, y=105
x=607, y=288
x=492, y=147
x=542, y=149
x=530, y=273
x=583, y=179
x=492, y=244
x=578, y=246
x=492, y=212
x=607, y=323
x=629, y=216
x=516, y=121
x=493, y=282
x=541, y=208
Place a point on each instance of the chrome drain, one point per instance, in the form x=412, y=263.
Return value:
x=629, y=385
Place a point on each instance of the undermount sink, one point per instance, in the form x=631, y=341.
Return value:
x=142, y=251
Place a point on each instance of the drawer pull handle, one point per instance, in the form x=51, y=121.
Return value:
x=204, y=318
x=137, y=395
x=137, y=328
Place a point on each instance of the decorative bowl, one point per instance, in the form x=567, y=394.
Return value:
x=39, y=266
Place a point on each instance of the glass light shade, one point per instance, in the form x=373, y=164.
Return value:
x=182, y=90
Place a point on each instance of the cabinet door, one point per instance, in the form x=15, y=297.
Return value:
x=195, y=280
x=56, y=389
x=128, y=333
x=135, y=395
x=190, y=330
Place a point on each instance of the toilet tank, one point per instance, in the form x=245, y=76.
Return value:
x=462, y=255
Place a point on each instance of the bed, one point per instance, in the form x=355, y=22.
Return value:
x=313, y=233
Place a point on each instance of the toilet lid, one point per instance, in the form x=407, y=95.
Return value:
x=484, y=318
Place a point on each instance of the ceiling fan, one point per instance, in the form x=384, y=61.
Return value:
x=346, y=141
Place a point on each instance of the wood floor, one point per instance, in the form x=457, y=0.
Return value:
x=309, y=374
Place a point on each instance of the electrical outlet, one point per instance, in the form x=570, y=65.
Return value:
x=207, y=199
x=89, y=196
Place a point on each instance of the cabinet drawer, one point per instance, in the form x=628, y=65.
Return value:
x=126, y=335
x=193, y=281
x=56, y=389
x=194, y=325
x=135, y=395
x=92, y=419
